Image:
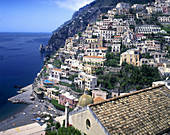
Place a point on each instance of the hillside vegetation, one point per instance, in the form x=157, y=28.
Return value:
x=81, y=18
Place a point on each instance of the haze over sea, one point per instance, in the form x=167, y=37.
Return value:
x=20, y=61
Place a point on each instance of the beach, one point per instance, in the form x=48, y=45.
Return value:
x=18, y=119
x=27, y=116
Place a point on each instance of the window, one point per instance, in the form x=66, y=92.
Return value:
x=88, y=125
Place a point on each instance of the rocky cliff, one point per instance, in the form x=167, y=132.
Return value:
x=80, y=20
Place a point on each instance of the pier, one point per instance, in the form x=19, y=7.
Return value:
x=23, y=97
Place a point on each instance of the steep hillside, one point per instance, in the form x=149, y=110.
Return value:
x=81, y=18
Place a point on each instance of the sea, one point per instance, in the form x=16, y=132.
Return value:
x=20, y=61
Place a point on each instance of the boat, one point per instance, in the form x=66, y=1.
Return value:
x=31, y=97
x=19, y=91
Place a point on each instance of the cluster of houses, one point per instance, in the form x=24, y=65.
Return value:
x=86, y=51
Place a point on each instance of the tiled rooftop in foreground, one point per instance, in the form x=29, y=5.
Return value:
x=143, y=112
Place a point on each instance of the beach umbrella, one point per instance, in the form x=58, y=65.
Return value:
x=38, y=119
x=42, y=121
x=44, y=112
x=47, y=118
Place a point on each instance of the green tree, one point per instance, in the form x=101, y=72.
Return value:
x=109, y=49
x=79, y=34
x=57, y=125
x=57, y=63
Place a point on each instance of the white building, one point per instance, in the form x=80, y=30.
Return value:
x=164, y=71
x=149, y=29
x=157, y=56
x=86, y=81
x=100, y=51
x=143, y=15
x=116, y=47
x=149, y=62
x=123, y=5
x=153, y=45
x=167, y=38
x=112, y=13
x=152, y=10
x=49, y=67
x=94, y=59
x=56, y=73
x=154, y=84
x=164, y=19
x=137, y=6
x=106, y=34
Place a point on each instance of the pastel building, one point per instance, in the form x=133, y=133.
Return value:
x=67, y=97
x=90, y=69
x=131, y=57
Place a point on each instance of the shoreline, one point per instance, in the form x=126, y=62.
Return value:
x=23, y=117
x=26, y=115
x=23, y=97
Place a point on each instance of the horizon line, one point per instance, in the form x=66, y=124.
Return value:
x=22, y=32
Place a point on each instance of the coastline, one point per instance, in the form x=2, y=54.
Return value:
x=24, y=116
x=21, y=118
x=27, y=115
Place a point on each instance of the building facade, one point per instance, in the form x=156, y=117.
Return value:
x=131, y=57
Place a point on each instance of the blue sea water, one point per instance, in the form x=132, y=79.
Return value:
x=20, y=61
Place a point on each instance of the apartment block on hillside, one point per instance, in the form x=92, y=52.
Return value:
x=94, y=60
x=131, y=57
x=86, y=81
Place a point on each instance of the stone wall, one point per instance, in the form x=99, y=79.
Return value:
x=85, y=122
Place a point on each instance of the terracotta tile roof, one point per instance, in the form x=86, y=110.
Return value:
x=94, y=57
x=143, y=112
x=97, y=99
x=56, y=69
x=117, y=36
x=102, y=48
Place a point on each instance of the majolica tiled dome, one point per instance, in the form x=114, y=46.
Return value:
x=85, y=99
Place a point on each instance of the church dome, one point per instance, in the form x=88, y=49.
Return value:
x=84, y=100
